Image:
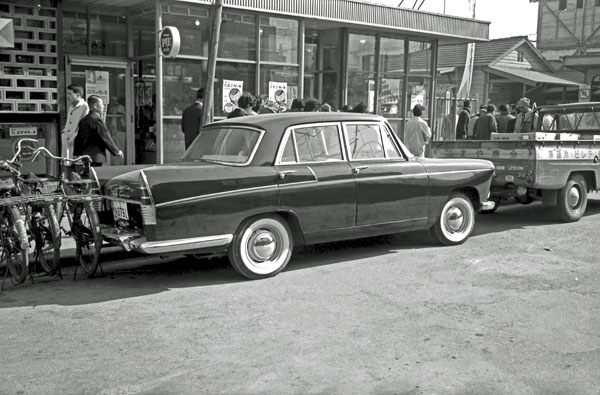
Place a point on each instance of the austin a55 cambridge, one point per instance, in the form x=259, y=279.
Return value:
x=253, y=187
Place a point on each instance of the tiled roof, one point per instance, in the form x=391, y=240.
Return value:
x=485, y=53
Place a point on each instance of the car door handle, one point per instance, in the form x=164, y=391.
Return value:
x=357, y=169
x=283, y=173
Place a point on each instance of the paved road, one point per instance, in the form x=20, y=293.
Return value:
x=515, y=310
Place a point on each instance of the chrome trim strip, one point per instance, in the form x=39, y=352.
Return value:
x=458, y=171
x=147, y=186
x=179, y=245
x=214, y=195
x=293, y=184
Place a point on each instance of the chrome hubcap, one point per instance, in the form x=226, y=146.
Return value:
x=455, y=219
x=262, y=245
x=573, y=197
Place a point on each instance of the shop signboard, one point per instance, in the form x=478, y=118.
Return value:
x=232, y=90
x=97, y=83
x=170, y=42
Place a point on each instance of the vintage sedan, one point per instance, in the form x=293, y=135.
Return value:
x=253, y=187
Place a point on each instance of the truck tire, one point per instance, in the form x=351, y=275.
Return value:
x=572, y=199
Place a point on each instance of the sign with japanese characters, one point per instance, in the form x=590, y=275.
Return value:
x=232, y=90
x=278, y=92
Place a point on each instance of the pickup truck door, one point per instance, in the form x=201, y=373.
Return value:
x=390, y=188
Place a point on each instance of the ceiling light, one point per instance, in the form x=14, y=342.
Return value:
x=197, y=23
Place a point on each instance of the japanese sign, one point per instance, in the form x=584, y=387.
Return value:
x=232, y=90
x=23, y=131
x=96, y=83
x=278, y=92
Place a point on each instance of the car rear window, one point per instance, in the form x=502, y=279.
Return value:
x=232, y=145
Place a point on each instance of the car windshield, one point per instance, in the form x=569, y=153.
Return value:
x=232, y=145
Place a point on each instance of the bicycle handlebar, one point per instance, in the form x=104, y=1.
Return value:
x=62, y=159
x=14, y=159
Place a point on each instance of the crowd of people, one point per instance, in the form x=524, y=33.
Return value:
x=507, y=118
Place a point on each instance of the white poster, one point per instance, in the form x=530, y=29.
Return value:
x=96, y=83
x=292, y=93
x=278, y=92
x=232, y=90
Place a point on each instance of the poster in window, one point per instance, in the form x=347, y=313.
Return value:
x=232, y=90
x=97, y=83
x=278, y=92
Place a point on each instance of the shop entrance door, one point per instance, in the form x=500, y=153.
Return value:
x=113, y=82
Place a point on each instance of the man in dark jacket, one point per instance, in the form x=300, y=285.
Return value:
x=462, y=126
x=191, y=119
x=93, y=138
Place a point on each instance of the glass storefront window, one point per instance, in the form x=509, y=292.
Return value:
x=143, y=35
x=181, y=81
x=237, y=72
x=287, y=74
x=419, y=58
x=278, y=40
x=391, y=68
x=391, y=55
x=361, y=53
x=331, y=50
x=418, y=93
x=240, y=32
x=108, y=35
x=361, y=68
x=194, y=31
x=75, y=32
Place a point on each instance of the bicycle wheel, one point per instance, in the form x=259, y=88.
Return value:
x=85, y=229
x=47, y=238
x=14, y=245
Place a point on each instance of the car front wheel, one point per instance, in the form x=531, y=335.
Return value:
x=262, y=247
x=456, y=223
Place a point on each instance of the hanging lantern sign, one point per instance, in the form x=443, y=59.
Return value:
x=170, y=41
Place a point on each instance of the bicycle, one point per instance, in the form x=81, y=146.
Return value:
x=78, y=202
x=14, y=240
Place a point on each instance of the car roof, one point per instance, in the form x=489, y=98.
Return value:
x=284, y=120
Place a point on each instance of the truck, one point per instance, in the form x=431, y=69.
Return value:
x=558, y=162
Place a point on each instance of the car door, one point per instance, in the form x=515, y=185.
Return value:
x=391, y=188
x=314, y=177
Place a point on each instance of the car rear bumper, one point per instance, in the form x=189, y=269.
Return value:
x=132, y=240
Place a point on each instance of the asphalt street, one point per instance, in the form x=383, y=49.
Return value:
x=515, y=310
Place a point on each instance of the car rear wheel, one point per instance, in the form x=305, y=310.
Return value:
x=456, y=223
x=262, y=247
x=572, y=199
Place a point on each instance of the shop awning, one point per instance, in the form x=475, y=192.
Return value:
x=7, y=33
x=529, y=77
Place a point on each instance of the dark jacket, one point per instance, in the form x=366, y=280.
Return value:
x=462, y=126
x=93, y=138
x=238, y=112
x=485, y=125
x=191, y=120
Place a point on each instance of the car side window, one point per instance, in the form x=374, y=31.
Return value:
x=391, y=151
x=365, y=141
x=319, y=143
x=289, y=155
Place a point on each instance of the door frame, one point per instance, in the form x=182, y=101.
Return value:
x=114, y=63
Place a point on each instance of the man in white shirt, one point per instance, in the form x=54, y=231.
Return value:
x=77, y=109
x=417, y=133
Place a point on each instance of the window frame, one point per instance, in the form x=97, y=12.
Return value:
x=290, y=132
x=382, y=128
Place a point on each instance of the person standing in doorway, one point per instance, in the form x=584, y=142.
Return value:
x=417, y=133
x=93, y=138
x=191, y=119
x=77, y=109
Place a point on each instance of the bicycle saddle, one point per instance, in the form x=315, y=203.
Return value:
x=6, y=185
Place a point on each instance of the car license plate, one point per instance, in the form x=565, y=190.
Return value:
x=509, y=178
x=119, y=210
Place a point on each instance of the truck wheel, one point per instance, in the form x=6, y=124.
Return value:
x=456, y=223
x=572, y=199
x=262, y=247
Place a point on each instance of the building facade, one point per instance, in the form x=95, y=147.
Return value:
x=339, y=51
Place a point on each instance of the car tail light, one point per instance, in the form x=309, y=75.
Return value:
x=148, y=208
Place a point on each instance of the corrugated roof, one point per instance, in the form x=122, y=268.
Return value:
x=530, y=77
x=485, y=53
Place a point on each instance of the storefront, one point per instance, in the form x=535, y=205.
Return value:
x=339, y=51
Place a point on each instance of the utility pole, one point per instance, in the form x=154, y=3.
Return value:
x=209, y=89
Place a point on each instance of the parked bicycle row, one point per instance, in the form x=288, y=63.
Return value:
x=37, y=209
